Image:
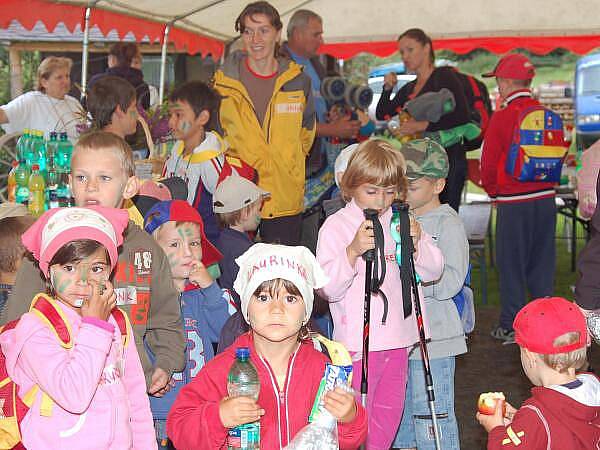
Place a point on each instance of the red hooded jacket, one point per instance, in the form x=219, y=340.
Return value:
x=553, y=420
x=194, y=422
x=499, y=185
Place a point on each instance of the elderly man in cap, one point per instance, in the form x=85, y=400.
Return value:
x=526, y=212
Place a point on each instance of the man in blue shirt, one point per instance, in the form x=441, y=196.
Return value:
x=305, y=36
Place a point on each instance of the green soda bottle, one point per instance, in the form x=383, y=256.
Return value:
x=37, y=192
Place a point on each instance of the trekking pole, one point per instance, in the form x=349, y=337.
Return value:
x=410, y=281
x=369, y=257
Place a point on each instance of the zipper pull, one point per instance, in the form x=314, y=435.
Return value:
x=281, y=398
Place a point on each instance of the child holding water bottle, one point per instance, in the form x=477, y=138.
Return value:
x=275, y=284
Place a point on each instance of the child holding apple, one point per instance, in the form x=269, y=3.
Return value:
x=564, y=409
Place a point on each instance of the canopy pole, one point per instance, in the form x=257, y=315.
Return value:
x=163, y=64
x=84, y=55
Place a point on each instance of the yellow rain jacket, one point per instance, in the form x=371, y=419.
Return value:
x=277, y=148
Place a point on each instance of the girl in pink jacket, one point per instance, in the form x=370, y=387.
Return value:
x=374, y=179
x=89, y=393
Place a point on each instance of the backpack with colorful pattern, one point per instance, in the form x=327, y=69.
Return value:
x=538, y=148
x=12, y=408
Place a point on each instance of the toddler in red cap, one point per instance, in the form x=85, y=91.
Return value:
x=564, y=409
x=179, y=230
x=73, y=356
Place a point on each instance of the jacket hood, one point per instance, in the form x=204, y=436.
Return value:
x=443, y=210
x=131, y=74
x=582, y=419
x=231, y=66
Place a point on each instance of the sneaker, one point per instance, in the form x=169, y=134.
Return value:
x=502, y=334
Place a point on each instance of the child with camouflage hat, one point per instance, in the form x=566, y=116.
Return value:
x=426, y=170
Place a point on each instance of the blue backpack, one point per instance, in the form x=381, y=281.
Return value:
x=465, y=304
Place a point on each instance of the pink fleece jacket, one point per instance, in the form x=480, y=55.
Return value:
x=346, y=288
x=100, y=399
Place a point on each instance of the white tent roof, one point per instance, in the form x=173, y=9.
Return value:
x=362, y=22
x=375, y=20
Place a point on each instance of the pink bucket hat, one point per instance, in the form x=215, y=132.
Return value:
x=58, y=226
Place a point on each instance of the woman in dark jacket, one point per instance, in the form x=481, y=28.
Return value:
x=120, y=57
x=416, y=51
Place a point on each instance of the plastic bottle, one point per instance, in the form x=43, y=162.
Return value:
x=37, y=192
x=63, y=191
x=22, y=143
x=11, y=183
x=38, y=148
x=52, y=179
x=26, y=149
x=53, y=200
x=243, y=381
x=64, y=149
x=22, y=179
x=52, y=145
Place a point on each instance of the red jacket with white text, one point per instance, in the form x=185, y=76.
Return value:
x=194, y=422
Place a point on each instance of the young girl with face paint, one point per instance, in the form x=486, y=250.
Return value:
x=275, y=284
x=91, y=393
x=374, y=178
x=178, y=229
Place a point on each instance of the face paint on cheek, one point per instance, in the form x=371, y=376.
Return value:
x=59, y=283
x=172, y=258
x=185, y=126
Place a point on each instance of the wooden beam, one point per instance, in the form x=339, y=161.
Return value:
x=16, y=72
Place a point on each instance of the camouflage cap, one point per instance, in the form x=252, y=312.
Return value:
x=425, y=158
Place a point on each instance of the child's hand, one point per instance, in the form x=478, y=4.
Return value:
x=102, y=301
x=234, y=411
x=364, y=240
x=390, y=80
x=340, y=404
x=200, y=276
x=412, y=126
x=415, y=231
x=489, y=422
x=510, y=413
x=160, y=383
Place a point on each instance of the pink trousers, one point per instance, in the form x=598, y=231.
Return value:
x=388, y=371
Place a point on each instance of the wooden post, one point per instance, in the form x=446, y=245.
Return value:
x=16, y=72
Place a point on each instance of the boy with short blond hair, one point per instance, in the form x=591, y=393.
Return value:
x=564, y=409
x=179, y=230
x=102, y=173
x=426, y=169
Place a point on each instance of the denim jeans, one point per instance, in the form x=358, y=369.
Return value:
x=161, y=435
x=416, y=430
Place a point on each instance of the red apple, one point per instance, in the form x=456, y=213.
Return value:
x=487, y=403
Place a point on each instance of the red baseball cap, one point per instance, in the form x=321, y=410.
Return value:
x=514, y=66
x=181, y=211
x=541, y=321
